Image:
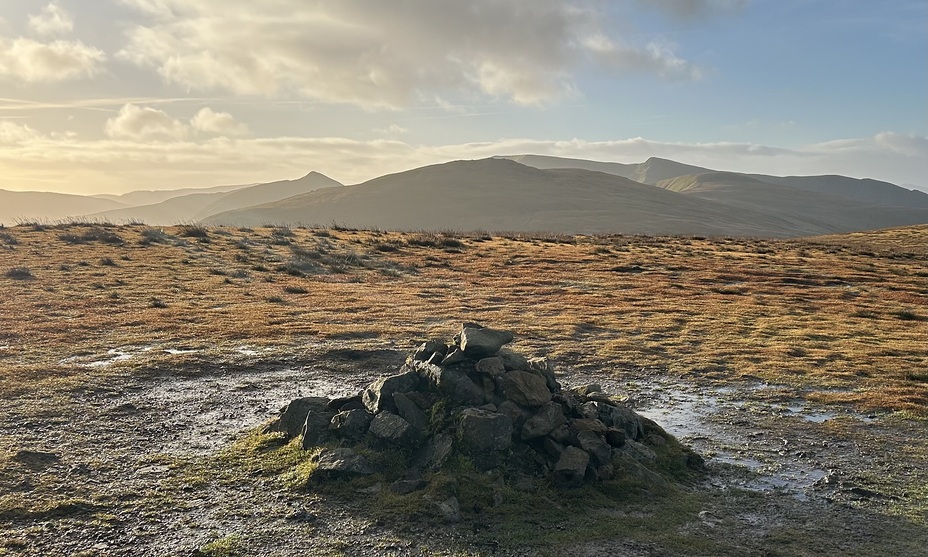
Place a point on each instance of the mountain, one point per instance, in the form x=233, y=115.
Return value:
x=197, y=206
x=18, y=206
x=502, y=195
x=151, y=197
x=865, y=190
x=651, y=171
x=810, y=212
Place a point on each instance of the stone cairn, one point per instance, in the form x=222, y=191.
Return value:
x=477, y=399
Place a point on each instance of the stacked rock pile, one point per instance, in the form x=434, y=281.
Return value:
x=476, y=399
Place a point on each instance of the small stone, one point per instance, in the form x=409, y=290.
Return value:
x=351, y=424
x=513, y=360
x=545, y=367
x=452, y=383
x=450, y=510
x=339, y=462
x=543, y=422
x=404, y=487
x=393, y=429
x=571, y=468
x=437, y=451
x=428, y=348
x=409, y=411
x=379, y=395
x=293, y=416
x=595, y=446
x=491, y=366
x=315, y=430
x=454, y=357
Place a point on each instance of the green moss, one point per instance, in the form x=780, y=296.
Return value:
x=229, y=546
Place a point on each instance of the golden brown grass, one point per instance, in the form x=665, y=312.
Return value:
x=845, y=317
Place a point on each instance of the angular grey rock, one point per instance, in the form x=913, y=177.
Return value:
x=524, y=388
x=563, y=435
x=452, y=383
x=513, y=360
x=404, y=487
x=409, y=411
x=491, y=366
x=351, y=424
x=436, y=359
x=428, y=348
x=552, y=447
x=455, y=356
x=316, y=428
x=622, y=417
x=481, y=431
x=450, y=510
x=595, y=446
x=379, y=395
x=587, y=424
x=513, y=410
x=548, y=417
x=393, y=429
x=616, y=437
x=571, y=468
x=641, y=453
x=293, y=416
x=483, y=343
x=343, y=462
x=437, y=451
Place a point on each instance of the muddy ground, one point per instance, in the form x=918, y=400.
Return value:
x=113, y=466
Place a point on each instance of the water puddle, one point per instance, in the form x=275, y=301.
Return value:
x=726, y=426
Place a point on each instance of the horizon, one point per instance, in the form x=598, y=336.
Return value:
x=127, y=95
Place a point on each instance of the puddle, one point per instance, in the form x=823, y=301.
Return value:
x=724, y=425
x=116, y=355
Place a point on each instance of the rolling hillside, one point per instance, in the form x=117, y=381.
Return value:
x=500, y=194
x=197, y=206
x=18, y=206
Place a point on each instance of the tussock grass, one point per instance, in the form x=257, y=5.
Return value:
x=817, y=314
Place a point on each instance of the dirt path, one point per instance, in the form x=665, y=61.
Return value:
x=110, y=468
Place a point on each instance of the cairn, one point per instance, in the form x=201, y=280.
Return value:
x=474, y=398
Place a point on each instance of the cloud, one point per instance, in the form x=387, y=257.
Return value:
x=217, y=123
x=31, y=61
x=144, y=123
x=12, y=133
x=379, y=54
x=695, y=9
x=53, y=20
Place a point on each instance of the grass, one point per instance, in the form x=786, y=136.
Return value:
x=814, y=314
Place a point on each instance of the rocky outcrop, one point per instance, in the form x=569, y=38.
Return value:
x=488, y=404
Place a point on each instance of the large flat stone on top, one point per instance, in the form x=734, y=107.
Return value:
x=483, y=343
x=379, y=395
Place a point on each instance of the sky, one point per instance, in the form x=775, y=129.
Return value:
x=110, y=96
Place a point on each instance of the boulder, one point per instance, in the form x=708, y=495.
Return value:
x=437, y=451
x=456, y=356
x=428, y=349
x=513, y=360
x=293, y=416
x=449, y=510
x=548, y=417
x=481, y=431
x=482, y=343
x=316, y=428
x=595, y=446
x=343, y=462
x=379, y=395
x=491, y=366
x=524, y=388
x=410, y=411
x=351, y=424
x=393, y=429
x=571, y=468
x=452, y=383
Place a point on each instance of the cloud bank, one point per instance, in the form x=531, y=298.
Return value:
x=378, y=54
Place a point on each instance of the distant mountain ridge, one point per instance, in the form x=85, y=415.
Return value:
x=501, y=194
x=521, y=193
x=198, y=206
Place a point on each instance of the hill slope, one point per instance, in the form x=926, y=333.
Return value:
x=198, y=206
x=151, y=197
x=810, y=212
x=44, y=206
x=500, y=194
x=651, y=171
